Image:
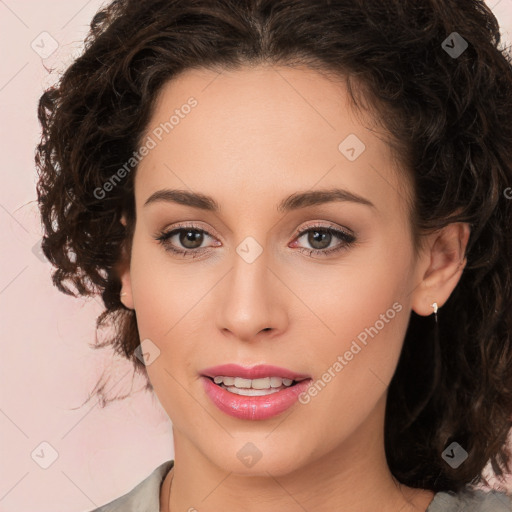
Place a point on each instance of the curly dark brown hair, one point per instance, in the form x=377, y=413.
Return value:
x=449, y=120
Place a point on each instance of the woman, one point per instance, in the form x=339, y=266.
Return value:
x=298, y=215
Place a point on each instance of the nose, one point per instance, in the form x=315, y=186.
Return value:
x=252, y=300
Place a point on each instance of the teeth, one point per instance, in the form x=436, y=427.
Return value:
x=266, y=383
x=242, y=383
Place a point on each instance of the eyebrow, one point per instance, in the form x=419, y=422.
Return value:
x=293, y=202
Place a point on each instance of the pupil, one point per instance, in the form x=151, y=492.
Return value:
x=189, y=239
x=313, y=238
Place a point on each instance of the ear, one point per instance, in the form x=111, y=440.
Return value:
x=440, y=267
x=123, y=271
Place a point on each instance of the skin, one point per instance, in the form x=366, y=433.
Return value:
x=258, y=135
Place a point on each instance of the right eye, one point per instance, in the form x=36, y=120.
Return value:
x=189, y=238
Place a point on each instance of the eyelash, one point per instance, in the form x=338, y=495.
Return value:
x=347, y=240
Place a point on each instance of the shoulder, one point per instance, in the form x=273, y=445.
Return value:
x=145, y=496
x=470, y=500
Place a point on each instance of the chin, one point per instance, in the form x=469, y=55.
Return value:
x=258, y=457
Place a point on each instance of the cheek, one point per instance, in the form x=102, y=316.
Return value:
x=164, y=292
x=356, y=294
x=365, y=312
x=168, y=308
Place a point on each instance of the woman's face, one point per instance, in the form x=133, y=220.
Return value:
x=251, y=290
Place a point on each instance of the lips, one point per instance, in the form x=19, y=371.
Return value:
x=254, y=372
x=251, y=407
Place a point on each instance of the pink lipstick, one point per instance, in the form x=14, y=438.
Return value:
x=253, y=393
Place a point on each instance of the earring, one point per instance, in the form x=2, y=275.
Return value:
x=434, y=353
x=434, y=305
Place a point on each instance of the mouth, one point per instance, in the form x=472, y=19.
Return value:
x=259, y=380
x=256, y=393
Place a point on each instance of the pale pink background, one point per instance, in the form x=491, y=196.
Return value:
x=46, y=365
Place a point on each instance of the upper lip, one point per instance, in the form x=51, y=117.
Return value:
x=253, y=372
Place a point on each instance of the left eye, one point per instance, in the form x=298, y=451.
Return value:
x=320, y=237
x=191, y=238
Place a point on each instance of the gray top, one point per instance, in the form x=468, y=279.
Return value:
x=145, y=497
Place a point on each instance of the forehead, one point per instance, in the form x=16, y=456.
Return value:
x=255, y=134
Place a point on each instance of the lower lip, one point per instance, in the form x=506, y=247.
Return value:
x=253, y=407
